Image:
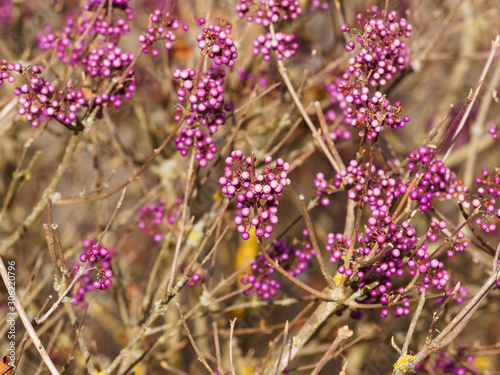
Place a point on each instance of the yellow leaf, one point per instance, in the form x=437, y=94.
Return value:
x=217, y=196
x=483, y=362
x=337, y=278
x=246, y=251
x=98, y=372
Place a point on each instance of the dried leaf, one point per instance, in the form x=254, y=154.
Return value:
x=5, y=368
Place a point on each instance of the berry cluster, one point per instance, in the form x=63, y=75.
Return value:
x=381, y=190
x=283, y=45
x=335, y=244
x=490, y=184
x=436, y=180
x=458, y=363
x=484, y=200
x=152, y=218
x=34, y=98
x=110, y=62
x=6, y=70
x=291, y=259
x=388, y=251
x=69, y=104
x=83, y=28
x=206, y=100
x=159, y=31
x=38, y=100
x=93, y=254
x=268, y=11
x=383, y=53
x=220, y=47
x=370, y=113
x=205, y=145
x=207, y=110
x=256, y=194
x=90, y=40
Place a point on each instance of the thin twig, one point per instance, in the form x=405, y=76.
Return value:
x=476, y=130
x=436, y=314
x=297, y=282
x=181, y=226
x=83, y=268
x=458, y=323
x=201, y=357
x=494, y=46
x=342, y=334
x=27, y=324
x=326, y=275
x=57, y=239
x=306, y=73
x=285, y=335
x=326, y=133
x=217, y=347
x=232, y=323
x=495, y=259
x=413, y=324
x=303, y=112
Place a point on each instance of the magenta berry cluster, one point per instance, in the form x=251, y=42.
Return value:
x=447, y=362
x=484, y=201
x=436, y=179
x=261, y=276
x=159, y=30
x=284, y=45
x=489, y=183
x=436, y=182
x=256, y=193
x=207, y=111
x=204, y=144
x=383, y=53
x=336, y=243
x=39, y=101
x=110, y=62
x=265, y=12
x=153, y=217
x=108, y=27
x=35, y=98
x=89, y=41
x=94, y=255
x=219, y=45
x=187, y=75
x=207, y=99
x=370, y=112
x=6, y=70
x=381, y=189
x=386, y=251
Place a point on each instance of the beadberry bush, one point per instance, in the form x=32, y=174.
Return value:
x=249, y=187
